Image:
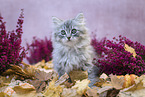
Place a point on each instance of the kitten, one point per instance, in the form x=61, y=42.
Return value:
x=72, y=48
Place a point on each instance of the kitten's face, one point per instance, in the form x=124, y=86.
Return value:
x=69, y=32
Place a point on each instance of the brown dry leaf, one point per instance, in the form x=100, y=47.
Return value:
x=29, y=69
x=42, y=79
x=52, y=90
x=112, y=93
x=23, y=88
x=17, y=70
x=92, y=92
x=78, y=75
x=39, y=85
x=5, y=80
x=43, y=76
x=130, y=49
x=100, y=83
x=62, y=79
x=81, y=86
x=117, y=83
x=68, y=84
x=2, y=94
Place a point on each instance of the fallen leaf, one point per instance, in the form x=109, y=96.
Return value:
x=129, y=80
x=9, y=91
x=2, y=94
x=62, y=79
x=68, y=84
x=41, y=80
x=103, y=76
x=135, y=93
x=68, y=92
x=24, y=88
x=78, y=75
x=45, y=65
x=29, y=94
x=104, y=89
x=92, y=92
x=100, y=83
x=49, y=65
x=136, y=90
x=139, y=84
x=5, y=80
x=81, y=86
x=130, y=49
x=52, y=90
x=17, y=70
x=117, y=83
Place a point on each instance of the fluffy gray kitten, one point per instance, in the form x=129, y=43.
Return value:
x=72, y=48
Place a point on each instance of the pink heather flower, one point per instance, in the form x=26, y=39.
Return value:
x=114, y=59
x=39, y=50
x=11, y=51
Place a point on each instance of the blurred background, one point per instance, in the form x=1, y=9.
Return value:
x=106, y=18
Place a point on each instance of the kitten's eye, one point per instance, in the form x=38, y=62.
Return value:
x=73, y=31
x=63, y=32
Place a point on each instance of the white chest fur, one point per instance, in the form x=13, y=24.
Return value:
x=70, y=58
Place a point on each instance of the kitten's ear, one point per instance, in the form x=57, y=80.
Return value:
x=56, y=20
x=80, y=18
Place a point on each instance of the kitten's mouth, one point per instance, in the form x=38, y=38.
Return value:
x=68, y=40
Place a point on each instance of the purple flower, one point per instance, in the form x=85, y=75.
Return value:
x=11, y=51
x=39, y=50
x=114, y=59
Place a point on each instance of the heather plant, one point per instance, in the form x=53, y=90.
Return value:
x=11, y=51
x=39, y=49
x=114, y=59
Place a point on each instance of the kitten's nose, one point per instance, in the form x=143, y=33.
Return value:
x=68, y=38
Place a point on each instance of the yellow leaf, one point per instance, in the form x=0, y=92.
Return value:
x=103, y=76
x=68, y=92
x=2, y=94
x=136, y=93
x=117, y=83
x=53, y=90
x=81, y=86
x=49, y=65
x=30, y=94
x=136, y=90
x=92, y=92
x=130, y=49
x=9, y=91
x=104, y=89
x=139, y=84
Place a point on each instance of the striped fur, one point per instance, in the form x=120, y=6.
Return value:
x=74, y=53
